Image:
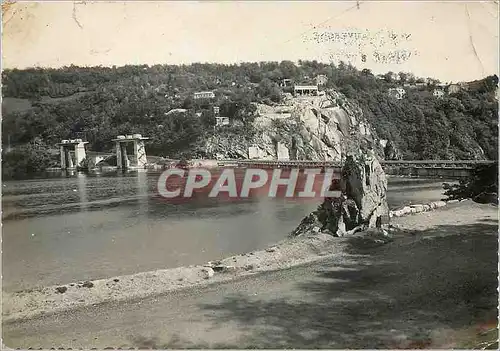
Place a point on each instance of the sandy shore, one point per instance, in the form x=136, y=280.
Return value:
x=285, y=254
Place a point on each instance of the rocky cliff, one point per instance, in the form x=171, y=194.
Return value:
x=302, y=128
x=363, y=200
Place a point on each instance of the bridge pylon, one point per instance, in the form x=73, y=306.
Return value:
x=78, y=147
x=139, y=159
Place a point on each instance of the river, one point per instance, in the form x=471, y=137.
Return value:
x=60, y=229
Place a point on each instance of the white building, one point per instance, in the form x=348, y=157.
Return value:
x=204, y=95
x=397, y=93
x=221, y=121
x=175, y=110
x=439, y=93
x=454, y=88
x=305, y=90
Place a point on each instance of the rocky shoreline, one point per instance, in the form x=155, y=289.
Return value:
x=412, y=209
x=285, y=254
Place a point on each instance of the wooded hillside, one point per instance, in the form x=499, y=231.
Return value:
x=44, y=106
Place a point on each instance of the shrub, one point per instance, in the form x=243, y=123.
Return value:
x=26, y=159
x=483, y=180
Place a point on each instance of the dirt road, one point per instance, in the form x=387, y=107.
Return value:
x=429, y=288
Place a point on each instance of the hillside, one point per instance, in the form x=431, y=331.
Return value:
x=99, y=103
x=300, y=128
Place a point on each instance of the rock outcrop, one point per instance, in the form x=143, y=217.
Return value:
x=361, y=205
x=303, y=128
x=228, y=146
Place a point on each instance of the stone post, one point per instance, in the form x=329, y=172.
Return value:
x=282, y=152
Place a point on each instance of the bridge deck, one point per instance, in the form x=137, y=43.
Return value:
x=461, y=164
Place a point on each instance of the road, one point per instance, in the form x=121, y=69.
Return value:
x=424, y=289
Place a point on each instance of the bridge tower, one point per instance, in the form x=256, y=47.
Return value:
x=139, y=160
x=65, y=147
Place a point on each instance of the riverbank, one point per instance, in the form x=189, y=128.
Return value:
x=431, y=287
x=287, y=253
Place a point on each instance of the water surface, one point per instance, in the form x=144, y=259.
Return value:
x=66, y=228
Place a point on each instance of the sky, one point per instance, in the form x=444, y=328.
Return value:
x=450, y=41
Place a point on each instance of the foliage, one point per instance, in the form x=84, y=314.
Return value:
x=29, y=158
x=457, y=126
x=484, y=179
x=99, y=103
x=270, y=90
x=175, y=132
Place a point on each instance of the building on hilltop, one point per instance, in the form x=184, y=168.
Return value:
x=474, y=85
x=305, y=90
x=438, y=93
x=204, y=95
x=397, y=93
x=454, y=88
x=221, y=121
x=415, y=85
x=466, y=86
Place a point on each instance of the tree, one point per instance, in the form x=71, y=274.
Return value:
x=269, y=89
x=30, y=158
x=208, y=118
x=389, y=77
x=288, y=69
x=403, y=77
x=481, y=185
x=135, y=99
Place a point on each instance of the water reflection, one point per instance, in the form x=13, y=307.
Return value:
x=82, y=191
x=143, y=193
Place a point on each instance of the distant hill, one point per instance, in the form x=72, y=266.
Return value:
x=13, y=105
x=103, y=102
